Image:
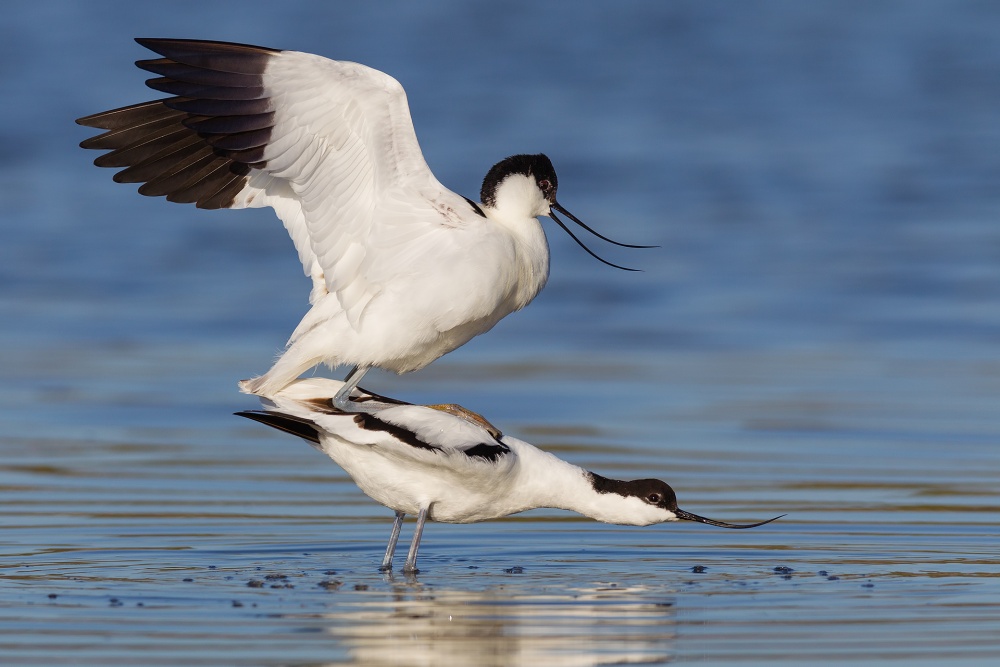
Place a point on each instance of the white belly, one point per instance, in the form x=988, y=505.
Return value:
x=451, y=496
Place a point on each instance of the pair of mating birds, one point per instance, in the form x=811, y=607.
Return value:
x=403, y=270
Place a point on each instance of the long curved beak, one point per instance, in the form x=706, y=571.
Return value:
x=688, y=516
x=555, y=206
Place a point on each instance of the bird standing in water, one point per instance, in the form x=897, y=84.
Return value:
x=446, y=464
x=403, y=269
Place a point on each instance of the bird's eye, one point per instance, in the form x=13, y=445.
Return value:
x=654, y=499
x=544, y=185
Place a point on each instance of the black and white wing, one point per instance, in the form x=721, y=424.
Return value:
x=329, y=145
x=410, y=432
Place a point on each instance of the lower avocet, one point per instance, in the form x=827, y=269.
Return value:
x=444, y=463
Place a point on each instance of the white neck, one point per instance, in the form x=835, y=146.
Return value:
x=518, y=204
x=517, y=199
x=548, y=481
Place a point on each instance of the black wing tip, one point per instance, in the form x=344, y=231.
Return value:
x=302, y=428
x=155, y=44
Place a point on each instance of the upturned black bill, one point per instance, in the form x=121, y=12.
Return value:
x=556, y=207
x=688, y=516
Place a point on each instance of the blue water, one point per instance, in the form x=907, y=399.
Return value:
x=818, y=335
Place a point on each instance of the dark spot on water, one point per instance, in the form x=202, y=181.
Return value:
x=868, y=584
x=188, y=580
x=275, y=577
x=833, y=577
x=473, y=567
x=781, y=569
x=822, y=573
x=330, y=572
x=237, y=603
x=361, y=587
x=139, y=604
x=517, y=569
x=52, y=596
x=698, y=569
x=211, y=567
x=282, y=586
x=330, y=585
x=115, y=602
x=255, y=583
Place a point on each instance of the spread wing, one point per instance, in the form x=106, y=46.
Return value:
x=329, y=145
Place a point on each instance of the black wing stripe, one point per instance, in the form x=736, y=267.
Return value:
x=200, y=145
x=372, y=423
x=491, y=452
x=372, y=396
x=475, y=207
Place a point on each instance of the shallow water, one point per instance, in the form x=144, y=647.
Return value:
x=818, y=336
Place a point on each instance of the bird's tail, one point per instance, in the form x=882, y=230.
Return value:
x=285, y=370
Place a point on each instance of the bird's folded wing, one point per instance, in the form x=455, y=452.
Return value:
x=415, y=433
x=329, y=145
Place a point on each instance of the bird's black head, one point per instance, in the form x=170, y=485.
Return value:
x=653, y=492
x=657, y=494
x=537, y=167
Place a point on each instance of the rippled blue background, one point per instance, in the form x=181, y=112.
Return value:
x=819, y=332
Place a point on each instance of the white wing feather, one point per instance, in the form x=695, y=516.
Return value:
x=342, y=150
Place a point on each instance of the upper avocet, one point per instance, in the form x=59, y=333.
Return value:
x=403, y=269
x=447, y=464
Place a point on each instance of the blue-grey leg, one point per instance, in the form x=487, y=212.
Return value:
x=393, y=538
x=342, y=401
x=411, y=558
